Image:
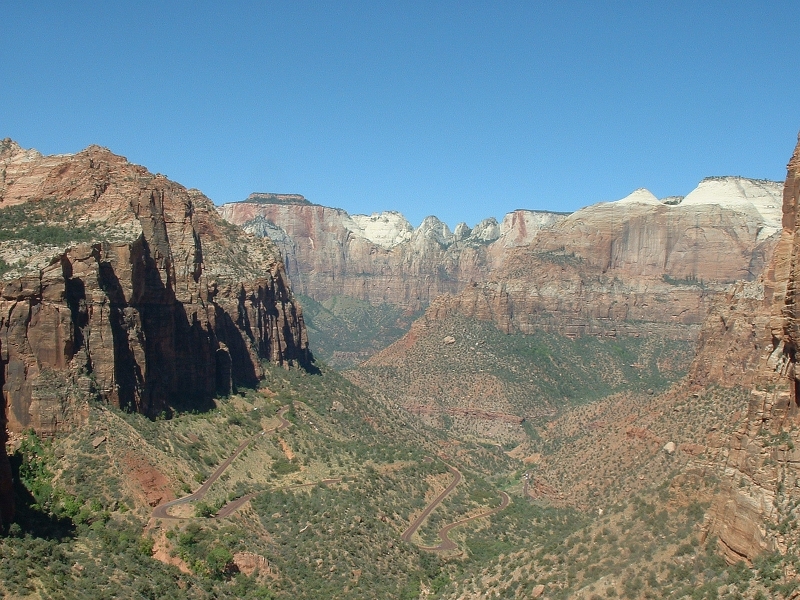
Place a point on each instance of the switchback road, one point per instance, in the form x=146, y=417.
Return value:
x=235, y=505
x=447, y=543
x=408, y=533
x=162, y=510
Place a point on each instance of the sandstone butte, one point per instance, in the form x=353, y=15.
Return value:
x=169, y=305
x=595, y=271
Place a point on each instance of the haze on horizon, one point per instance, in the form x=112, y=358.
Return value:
x=463, y=110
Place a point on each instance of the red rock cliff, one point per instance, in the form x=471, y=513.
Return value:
x=381, y=258
x=613, y=267
x=752, y=339
x=161, y=304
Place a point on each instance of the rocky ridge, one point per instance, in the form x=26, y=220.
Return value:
x=614, y=269
x=382, y=257
x=604, y=269
x=150, y=301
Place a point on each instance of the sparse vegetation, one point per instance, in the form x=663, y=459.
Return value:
x=609, y=513
x=532, y=377
x=48, y=222
x=344, y=331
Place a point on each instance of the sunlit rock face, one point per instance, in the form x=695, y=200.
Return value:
x=751, y=339
x=381, y=257
x=592, y=271
x=156, y=301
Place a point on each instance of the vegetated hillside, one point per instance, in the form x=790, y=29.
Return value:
x=90, y=494
x=328, y=498
x=650, y=475
x=327, y=501
x=344, y=331
x=464, y=376
x=606, y=509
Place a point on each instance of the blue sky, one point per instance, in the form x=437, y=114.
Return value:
x=459, y=109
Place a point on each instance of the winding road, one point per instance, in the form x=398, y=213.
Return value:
x=447, y=543
x=233, y=506
x=412, y=529
x=162, y=510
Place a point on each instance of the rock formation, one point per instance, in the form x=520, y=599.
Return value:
x=752, y=339
x=154, y=301
x=6, y=484
x=381, y=257
x=630, y=267
x=605, y=269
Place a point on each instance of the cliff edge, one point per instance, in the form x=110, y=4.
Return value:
x=125, y=286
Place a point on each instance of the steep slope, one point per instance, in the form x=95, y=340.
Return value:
x=756, y=512
x=463, y=376
x=123, y=285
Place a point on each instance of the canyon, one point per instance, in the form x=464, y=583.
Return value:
x=743, y=320
x=613, y=267
x=632, y=360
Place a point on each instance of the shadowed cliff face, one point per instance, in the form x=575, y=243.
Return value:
x=6, y=484
x=166, y=305
x=152, y=302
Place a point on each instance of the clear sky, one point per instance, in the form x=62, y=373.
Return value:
x=460, y=109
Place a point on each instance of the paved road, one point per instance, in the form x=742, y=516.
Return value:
x=447, y=543
x=162, y=510
x=429, y=509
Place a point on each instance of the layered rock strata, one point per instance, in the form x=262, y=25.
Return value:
x=622, y=267
x=154, y=301
x=381, y=258
x=752, y=339
x=632, y=266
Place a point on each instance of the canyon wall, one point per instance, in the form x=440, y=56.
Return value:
x=751, y=339
x=632, y=267
x=625, y=267
x=162, y=301
x=380, y=258
x=124, y=286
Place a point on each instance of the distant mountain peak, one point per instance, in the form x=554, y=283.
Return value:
x=640, y=196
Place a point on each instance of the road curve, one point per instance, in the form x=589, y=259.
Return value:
x=162, y=510
x=408, y=533
x=447, y=543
